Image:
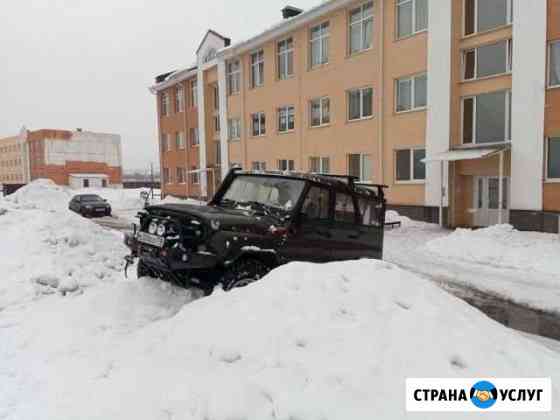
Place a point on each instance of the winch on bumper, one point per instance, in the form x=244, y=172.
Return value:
x=174, y=258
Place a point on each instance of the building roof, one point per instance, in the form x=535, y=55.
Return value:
x=227, y=41
x=285, y=26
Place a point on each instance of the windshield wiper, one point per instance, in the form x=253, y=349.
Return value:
x=261, y=208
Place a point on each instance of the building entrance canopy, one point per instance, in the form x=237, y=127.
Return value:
x=467, y=154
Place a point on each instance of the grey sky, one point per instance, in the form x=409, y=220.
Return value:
x=88, y=63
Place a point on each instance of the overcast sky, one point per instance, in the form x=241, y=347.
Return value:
x=88, y=63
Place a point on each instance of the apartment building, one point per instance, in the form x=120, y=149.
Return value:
x=13, y=170
x=454, y=104
x=76, y=158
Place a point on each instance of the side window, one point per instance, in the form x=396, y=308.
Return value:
x=344, y=210
x=316, y=204
x=368, y=213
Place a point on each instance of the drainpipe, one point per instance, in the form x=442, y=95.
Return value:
x=501, y=190
x=442, y=194
x=381, y=127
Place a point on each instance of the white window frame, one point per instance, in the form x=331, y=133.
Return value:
x=258, y=166
x=398, y=5
x=260, y=130
x=474, y=143
x=233, y=76
x=180, y=99
x=194, y=176
x=322, y=166
x=165, y=104
x=321, y=111
x=288, y=109
x=413, y=179
x=509, y=61
x=234, y=129
x=509, y=19
x=180, y=173
x=180, y=145
x=289, y=164
x=284, y=73
x=362, y=116
x=255, y=68
x=549, y=65
x=195, y=137
x=546, y=158
x=194, y=93
x=413, y=106
x=362, y=166
x=361, y=22
x=319, y=40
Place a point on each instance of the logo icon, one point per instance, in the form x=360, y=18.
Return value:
x=484, y=394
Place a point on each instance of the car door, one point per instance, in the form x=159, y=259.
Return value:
x=346, y=234
x=371, y=228
x=310, y=234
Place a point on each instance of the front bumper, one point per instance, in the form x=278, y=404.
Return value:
x=97, y=212
x=171, y=259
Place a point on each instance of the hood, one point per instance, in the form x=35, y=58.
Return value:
x=226, y=217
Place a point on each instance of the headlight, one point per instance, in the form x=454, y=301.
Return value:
x=152, y=229
x=215, y=224
x=161, y=230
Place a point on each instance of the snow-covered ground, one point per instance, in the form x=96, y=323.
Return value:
x=520, y=266
x=313, y=342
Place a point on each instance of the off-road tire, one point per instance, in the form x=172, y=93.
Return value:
x=244, y=272
x=142, y=270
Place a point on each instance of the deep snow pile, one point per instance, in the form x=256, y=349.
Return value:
x=40, y=194
x=46, y=249
x=308, y=342
x=502, y=246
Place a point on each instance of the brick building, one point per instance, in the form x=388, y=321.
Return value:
x=75, y=158
x=452, y=103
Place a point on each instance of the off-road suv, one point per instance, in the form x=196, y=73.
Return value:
x=258, y=221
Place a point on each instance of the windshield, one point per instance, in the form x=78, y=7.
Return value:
x=274, y=192
x=87, y=198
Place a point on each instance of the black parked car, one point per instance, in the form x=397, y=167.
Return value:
x=90, y=205
x=255, y=222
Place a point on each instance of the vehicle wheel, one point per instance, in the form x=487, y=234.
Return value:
x=243, y=272
x=142, y=270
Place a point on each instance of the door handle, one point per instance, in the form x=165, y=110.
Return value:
x=354, y=236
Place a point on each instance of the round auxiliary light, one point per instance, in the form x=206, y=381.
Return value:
x=161, y=229
x=215, y=224
x=153, y=228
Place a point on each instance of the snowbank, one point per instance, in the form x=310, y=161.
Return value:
x=332, y=342
x=40, y=194
x=46, y=249
x=502, y=247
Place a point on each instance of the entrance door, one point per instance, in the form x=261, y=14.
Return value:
x=487, y=201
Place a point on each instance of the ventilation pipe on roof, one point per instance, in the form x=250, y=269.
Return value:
x=290, y=11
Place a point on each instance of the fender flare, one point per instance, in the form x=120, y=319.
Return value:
x=268, y=256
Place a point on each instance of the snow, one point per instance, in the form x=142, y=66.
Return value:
x=504, y=247
x=329, y=342
x=310, y=341
x=523, y=267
